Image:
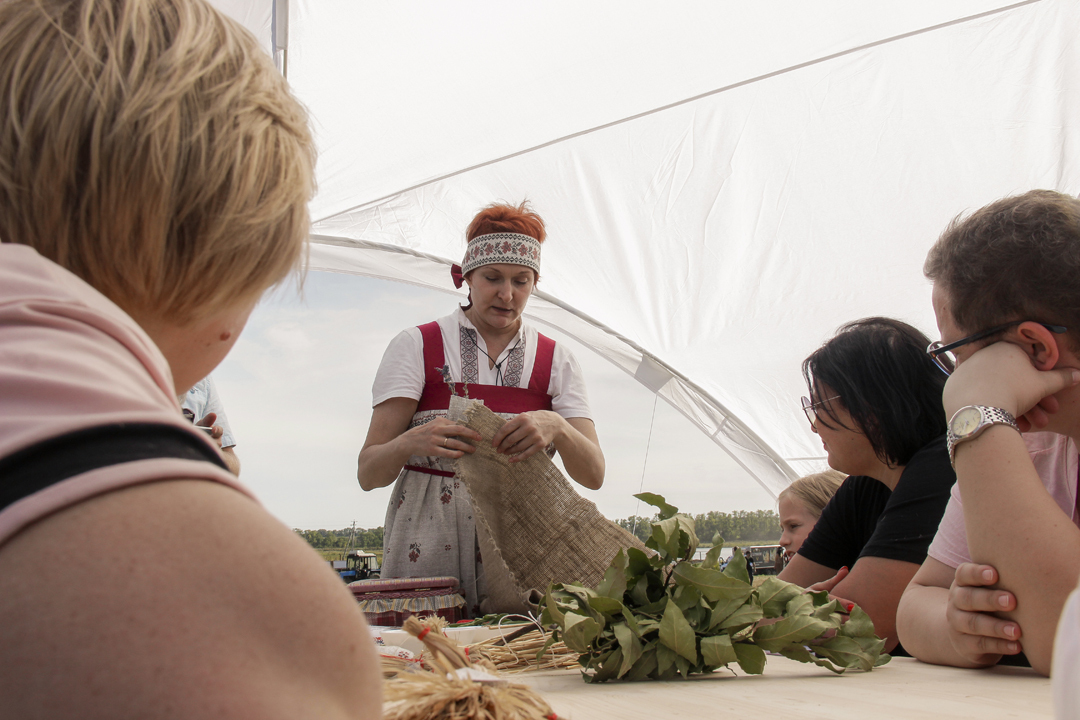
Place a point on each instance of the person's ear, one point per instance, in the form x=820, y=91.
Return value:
x=1040, y=344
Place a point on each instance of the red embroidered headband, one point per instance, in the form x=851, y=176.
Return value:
x=498, y=248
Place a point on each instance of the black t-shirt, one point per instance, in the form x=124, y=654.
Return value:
x=865, y=519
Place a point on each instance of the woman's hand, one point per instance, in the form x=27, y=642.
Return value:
x=391, y=442
x=439, y=438
x=828, y=585
x=1002, y=375
x=978, y=636
x=575, y=440
x=528, y=433
x=216, y=431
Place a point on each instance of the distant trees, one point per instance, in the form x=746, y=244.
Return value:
x=636, y=525
x=733, y=527
x=331, y=539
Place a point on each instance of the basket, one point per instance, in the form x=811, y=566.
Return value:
x=387, y=602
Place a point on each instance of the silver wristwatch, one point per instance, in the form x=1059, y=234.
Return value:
x=970, y=421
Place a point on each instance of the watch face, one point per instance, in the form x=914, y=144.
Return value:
x=965, y=421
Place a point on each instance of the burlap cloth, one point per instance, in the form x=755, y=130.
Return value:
x=533, y=527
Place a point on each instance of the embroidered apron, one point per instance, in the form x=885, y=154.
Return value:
x=429, y=529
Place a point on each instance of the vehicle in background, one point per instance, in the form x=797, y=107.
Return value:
x=357, y=565
x=764, y=558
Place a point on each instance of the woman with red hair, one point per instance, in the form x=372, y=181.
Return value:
x=522, y=375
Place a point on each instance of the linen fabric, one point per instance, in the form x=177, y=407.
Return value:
x=1055, y=459
x=430, y=528
x=533, y=527
x=866, y=519
x=70, y=359
x=202, y=399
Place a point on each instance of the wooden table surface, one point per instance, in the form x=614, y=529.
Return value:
x=905, y=688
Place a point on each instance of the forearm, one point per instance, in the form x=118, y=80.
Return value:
x=876, y=584
x=379, y=465
x=923, y=627
x=390, y=442
x=231, y=460
x=804, y=572
x=581, y=455
x=1014, y=525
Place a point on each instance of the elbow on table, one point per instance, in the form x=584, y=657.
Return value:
x=922, y=629
x=1040, y=654
x=909, y=619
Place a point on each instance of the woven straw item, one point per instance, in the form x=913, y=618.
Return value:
x=533, y=527
x=445, y=693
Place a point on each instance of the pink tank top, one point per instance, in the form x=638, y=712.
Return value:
x=70, y=359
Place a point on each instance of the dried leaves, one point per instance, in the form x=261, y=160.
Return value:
x=660, y=616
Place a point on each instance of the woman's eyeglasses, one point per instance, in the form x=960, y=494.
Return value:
x=809, y=407
x=946, y=361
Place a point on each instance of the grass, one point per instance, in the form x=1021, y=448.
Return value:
x=748, y=543
x=741, y=543
x=339, y=553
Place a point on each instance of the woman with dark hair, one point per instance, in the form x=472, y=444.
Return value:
x=486, y=349
x=875, y=401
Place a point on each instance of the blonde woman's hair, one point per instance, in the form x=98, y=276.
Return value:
x=151, y=148
x=815, y=491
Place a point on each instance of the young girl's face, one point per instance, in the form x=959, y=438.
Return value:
x=796, y=522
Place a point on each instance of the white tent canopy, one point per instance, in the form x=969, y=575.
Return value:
x=724, y=183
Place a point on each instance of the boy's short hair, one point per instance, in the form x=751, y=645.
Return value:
x=151, y=148
x=1016, y=259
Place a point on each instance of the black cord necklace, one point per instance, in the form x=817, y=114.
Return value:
x=497, y=365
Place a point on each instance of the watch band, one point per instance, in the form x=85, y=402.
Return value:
x=988, y=416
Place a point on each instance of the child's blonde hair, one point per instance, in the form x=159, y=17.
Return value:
x=816, y=490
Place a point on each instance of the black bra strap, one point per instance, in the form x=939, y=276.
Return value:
x=51, y=461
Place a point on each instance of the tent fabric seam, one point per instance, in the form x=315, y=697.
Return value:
x=679, y=103
x=760, y=448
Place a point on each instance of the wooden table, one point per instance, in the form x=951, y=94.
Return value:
x=905, y=688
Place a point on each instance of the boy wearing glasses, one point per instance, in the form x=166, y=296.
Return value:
x=1007, y=303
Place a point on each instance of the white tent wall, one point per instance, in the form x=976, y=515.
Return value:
x=750, y=452
x=723, y=185
x=255, y=15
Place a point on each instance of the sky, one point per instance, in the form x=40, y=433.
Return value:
x=297, y=392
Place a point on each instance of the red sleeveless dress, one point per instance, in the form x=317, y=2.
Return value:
x=429, y=529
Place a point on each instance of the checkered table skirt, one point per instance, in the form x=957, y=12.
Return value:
x=389, y=602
